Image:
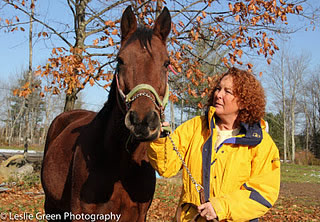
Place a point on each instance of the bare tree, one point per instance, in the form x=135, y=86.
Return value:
x=278, y=73
x=314, y=99
x=297, y=69
x=28, y=110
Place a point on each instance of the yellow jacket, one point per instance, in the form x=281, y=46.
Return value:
x=244, y=172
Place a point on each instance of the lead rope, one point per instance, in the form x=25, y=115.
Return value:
x=199, y=188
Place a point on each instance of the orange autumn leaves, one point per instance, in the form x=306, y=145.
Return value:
x=247, y=18
x=72, y=68
x=72, y=71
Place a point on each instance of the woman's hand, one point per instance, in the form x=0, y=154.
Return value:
x=165, y=129
x=206, y=210
x=164, y=124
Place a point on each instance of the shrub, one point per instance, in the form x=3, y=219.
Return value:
x=304, y=157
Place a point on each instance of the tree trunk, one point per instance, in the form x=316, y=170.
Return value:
x=70, y=101
x=8, y=123
x=80, y=29
x=181, y=111
x=307, y=116
x=27, y=105
x=13, y=122
x=293, y=145
x=158, y=8
x=20, y=137
x=284, y=113
x=307, y=143
x=48, y=109
x=172, y=115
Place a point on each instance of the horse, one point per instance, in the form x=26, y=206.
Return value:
x=95, y=165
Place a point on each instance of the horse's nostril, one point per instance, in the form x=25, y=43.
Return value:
x=153, y=120
x=133, y=117
x=145, y=129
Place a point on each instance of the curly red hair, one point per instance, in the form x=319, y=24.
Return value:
x=249, y=92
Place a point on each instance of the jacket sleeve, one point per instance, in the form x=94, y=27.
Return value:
x=259, y=192
x=161, y=154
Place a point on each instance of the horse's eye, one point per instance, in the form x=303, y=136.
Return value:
x=166, y=63
x=120, y=61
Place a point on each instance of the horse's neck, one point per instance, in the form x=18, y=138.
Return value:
x=116, y=137
x=116, y=130
x=120, y=136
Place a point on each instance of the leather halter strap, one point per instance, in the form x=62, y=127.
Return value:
x=133, y=95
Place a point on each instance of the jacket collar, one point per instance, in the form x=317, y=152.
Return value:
x=250, y=135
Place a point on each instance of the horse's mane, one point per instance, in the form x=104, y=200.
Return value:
x=106, y=109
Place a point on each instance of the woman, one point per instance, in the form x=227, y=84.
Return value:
x=227, y=151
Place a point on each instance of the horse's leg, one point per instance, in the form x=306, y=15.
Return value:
x=54, y=212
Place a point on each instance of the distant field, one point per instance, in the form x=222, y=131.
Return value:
x=292, y=173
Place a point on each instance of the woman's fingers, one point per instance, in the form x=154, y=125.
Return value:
x=202, y=209
x=165, y=124
x=206, y=210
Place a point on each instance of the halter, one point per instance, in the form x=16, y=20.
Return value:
x=133, y=95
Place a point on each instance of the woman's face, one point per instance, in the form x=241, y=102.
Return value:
x=224, y=101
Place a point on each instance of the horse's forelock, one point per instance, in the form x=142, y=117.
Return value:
x=144, y=35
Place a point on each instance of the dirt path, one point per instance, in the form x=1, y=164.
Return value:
x=297, y=202
x=304, y=190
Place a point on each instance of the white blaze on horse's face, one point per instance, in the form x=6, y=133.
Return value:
x=142, y=62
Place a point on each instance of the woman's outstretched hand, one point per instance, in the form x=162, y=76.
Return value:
x=165, y=129
x=164, y=124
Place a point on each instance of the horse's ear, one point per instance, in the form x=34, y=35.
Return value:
x=128, y=23
x=162, y=24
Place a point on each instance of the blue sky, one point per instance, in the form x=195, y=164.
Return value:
x=14, y=55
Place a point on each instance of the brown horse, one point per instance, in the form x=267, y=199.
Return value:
x=95, y=165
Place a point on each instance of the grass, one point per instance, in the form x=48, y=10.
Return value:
x=300, y=174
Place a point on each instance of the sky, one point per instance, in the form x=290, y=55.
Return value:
x=14, y=54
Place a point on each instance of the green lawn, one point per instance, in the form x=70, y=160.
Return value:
x=300, y=174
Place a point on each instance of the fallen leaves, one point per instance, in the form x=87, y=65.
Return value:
x=297, y=201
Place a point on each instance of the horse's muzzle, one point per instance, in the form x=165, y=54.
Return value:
x=145, y=129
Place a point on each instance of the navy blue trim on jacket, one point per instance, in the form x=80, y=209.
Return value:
x=255, y=195
x=206, y=162
x=253, y=136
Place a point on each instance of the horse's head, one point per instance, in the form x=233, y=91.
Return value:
x=142, y=74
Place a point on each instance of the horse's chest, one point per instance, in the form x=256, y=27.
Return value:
x=120, y=205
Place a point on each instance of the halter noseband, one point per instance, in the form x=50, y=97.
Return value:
x=133, y=95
